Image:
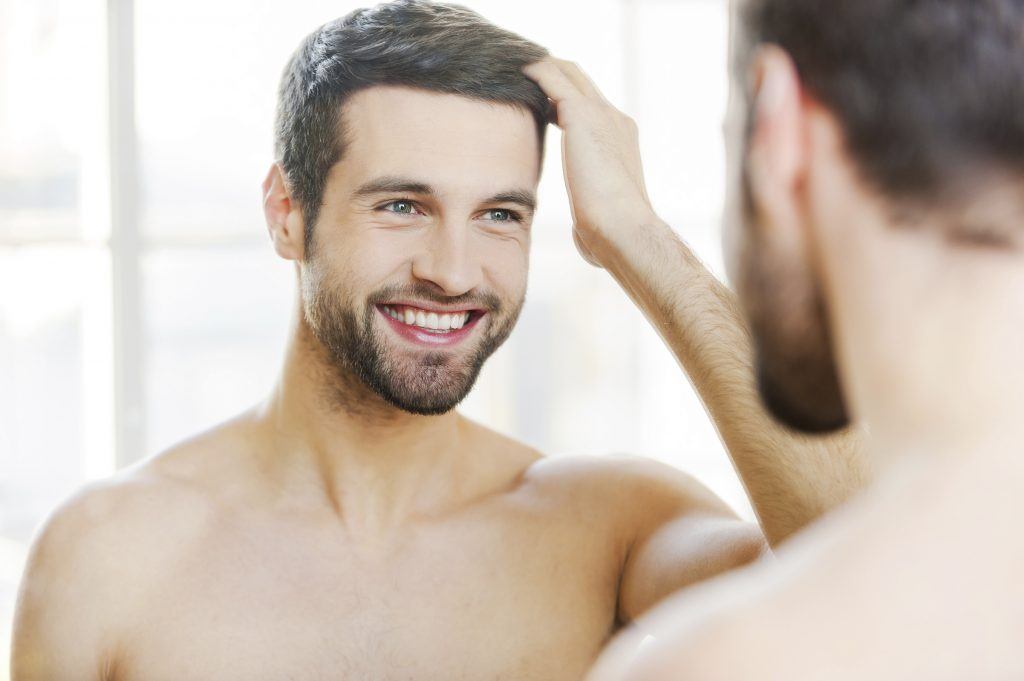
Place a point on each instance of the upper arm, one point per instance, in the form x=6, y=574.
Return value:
x=66, y=594
x=696, y=633
x=682, y=534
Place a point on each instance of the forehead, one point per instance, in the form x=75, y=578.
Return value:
x=448, y=140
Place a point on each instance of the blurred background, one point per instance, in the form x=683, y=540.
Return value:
x=140, y=300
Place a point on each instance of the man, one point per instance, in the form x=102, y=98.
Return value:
x=354, y=525
x=877, y=232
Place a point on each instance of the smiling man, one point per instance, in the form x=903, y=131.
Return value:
x=355, y=526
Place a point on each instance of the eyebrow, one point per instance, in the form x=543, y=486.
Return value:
x=391, y=184
x=397, y=185
x=521, y=197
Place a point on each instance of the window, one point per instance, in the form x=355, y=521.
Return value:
x=55, y=286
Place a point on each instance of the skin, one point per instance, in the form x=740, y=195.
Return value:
x=327, y=534
x=917, y=578
x=791, y=478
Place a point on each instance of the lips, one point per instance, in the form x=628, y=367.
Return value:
x=427, y=326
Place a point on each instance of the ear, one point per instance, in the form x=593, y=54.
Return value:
x=777, y=152
x=285, y=223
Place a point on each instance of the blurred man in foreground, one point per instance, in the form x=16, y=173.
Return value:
x=876, y=234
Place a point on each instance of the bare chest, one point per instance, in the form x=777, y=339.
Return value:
x=477, y=601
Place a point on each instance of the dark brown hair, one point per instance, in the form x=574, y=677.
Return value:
x=928, y=91
x=416, y=43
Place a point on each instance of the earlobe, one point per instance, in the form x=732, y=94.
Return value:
x=285, y=224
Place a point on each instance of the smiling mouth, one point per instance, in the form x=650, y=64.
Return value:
x=433, y=322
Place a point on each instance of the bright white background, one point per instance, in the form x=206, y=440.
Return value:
x=141, y=302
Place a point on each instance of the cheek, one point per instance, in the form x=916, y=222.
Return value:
x=506, y=266
x=367, y=260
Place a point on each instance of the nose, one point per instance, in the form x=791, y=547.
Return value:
x=448, y=260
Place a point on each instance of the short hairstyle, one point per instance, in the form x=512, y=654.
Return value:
x=415, y=43
x=927, y=91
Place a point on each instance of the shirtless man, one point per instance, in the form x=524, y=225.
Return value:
x=876, y=234
x=354, y=526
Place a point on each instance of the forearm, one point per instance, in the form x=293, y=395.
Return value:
x=791, y=478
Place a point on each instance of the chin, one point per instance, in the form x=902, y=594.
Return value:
x=428, y=386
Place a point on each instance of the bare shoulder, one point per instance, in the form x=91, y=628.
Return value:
x=127, y=523
x=122, y=531
x=670, y=531
x=140, y=507
x=163, y=498
x=623, y=484
x=94, y=560
x=626, y=484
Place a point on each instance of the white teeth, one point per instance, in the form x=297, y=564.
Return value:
x=448, y=321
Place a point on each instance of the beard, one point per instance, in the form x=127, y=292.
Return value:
x=419, y=382
x=797, y=374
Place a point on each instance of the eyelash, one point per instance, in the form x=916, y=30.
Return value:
x=386, y=206
x=513, y=216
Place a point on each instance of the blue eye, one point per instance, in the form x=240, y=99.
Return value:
x=503, y=215
x=400, y=207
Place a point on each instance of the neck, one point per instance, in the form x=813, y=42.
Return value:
x=339, y=443
x=962, y=480
x=949, y=393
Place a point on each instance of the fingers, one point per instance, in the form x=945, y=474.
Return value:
x=566, y=85
x=561, y=80
x=552, y=80
x=580, y=79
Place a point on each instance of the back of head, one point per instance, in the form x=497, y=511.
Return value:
x=414, y=43
x=896, y=114
x=930, y=93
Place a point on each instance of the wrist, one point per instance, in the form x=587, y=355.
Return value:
x=626, y=234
